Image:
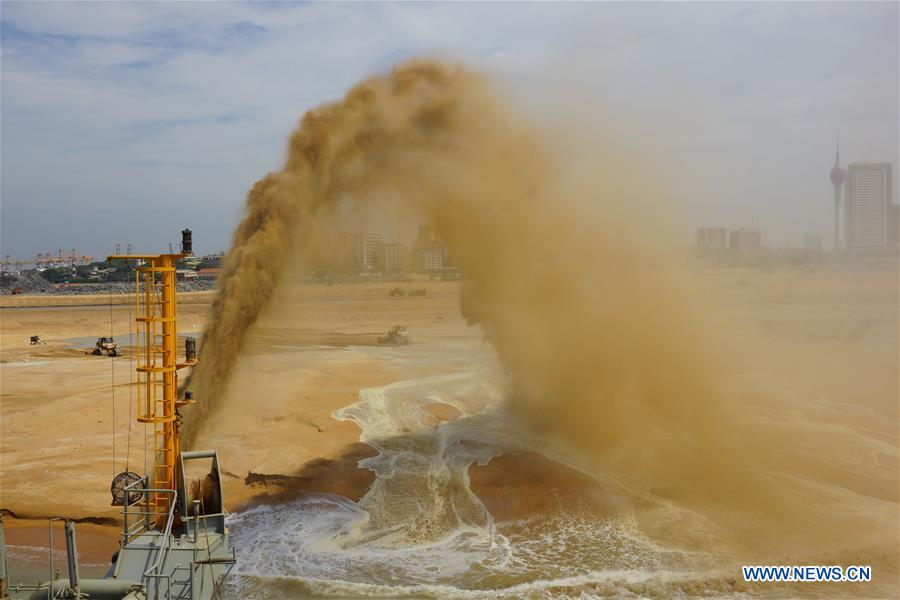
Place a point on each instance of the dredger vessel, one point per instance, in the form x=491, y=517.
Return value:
x=174, y=543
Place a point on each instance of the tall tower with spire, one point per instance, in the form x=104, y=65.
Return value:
x=838, y=174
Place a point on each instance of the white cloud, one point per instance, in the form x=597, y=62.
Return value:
x=109, y=108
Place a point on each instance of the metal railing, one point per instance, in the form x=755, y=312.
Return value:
x=132, y=528
x=159, y=584
x=143, y=527
x=167, y=533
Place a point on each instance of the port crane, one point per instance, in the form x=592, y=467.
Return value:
x=46, y=260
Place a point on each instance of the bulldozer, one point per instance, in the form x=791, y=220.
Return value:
x=105, y=344
x=396, y=336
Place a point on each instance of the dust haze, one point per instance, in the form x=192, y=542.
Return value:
x=571, y=274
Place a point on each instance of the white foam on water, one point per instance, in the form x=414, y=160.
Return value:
x=421, y=492
x=596, y=584
x=420, y=532
x=306, y=539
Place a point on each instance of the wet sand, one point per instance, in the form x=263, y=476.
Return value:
x=832, y=334
x=288, y=384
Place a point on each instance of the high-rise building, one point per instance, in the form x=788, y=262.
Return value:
x=712, y=240
x=371, y=251
x=394, y=257
x=745, y=241
x=432, y=258
x=428, y=251
x=867, y=199
x=838, y=174
x=365, y=249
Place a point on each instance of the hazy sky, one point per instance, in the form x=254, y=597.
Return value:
x=113, y=114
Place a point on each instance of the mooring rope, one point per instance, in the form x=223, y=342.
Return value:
x=130, y=386
x=112, y=375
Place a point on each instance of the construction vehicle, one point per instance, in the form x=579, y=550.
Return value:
x=36, y=341
x=174, y=543
x=105, y=344
x=396, y=336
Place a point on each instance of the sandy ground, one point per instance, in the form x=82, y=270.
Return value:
x=297, y=369
x=58, y=415
x=832, y=334
x=17, y=301
x=288, y=384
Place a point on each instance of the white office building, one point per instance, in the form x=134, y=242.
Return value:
x=867, y=196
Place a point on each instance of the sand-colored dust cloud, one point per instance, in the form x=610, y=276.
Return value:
x=420, y=132
x=584, y=304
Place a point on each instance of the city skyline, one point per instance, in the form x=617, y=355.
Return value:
x=111, y=114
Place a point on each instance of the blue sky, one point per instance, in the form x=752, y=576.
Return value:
x=115, y=113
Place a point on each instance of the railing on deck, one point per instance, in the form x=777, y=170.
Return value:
x=143, y=526
x=146, y=517
x=141, y=522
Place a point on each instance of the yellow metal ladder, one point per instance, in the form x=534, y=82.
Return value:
x=157, y=345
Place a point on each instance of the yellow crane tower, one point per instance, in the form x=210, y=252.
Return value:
x=156, y=348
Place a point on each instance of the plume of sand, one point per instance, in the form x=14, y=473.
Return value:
x=586, y=311
x=586, y=318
